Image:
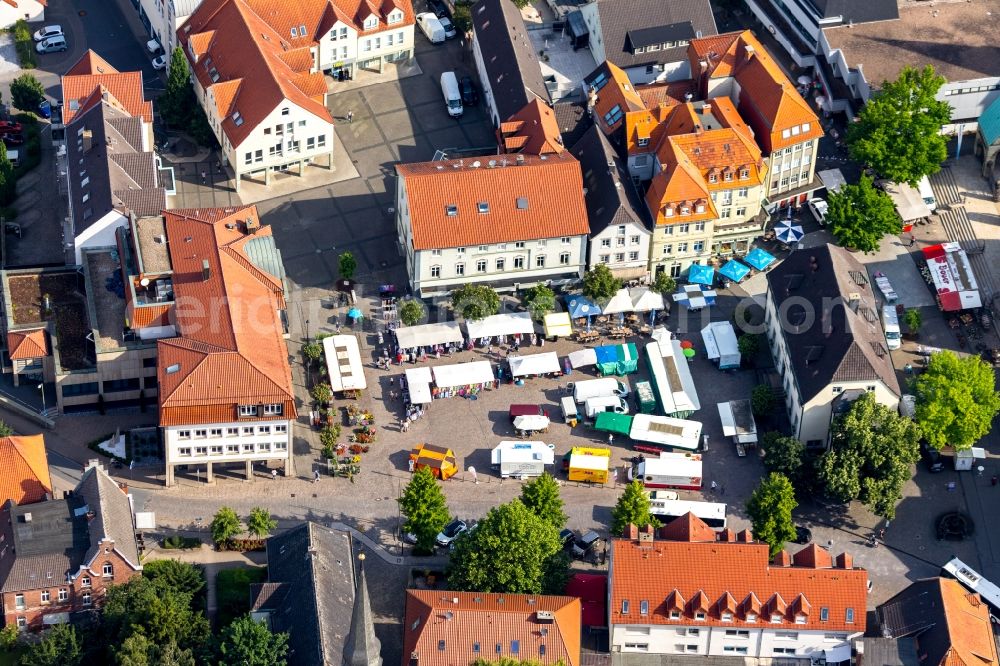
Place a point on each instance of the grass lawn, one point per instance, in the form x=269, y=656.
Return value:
x=232, y=592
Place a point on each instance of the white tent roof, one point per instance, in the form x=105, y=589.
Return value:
x=429, y=334
x=463, y=374
x=558, y=324
x=514, y=451
x=737, y=421
x=645, y=299
x=343, y=363
x=832, y=179
x=909, y=204
x=620, y=302
x=419, y=382
x=582, y=358
x=667, y=431
x=662, y=335
x=534, y=364
x=672, y=464
x=508, y=323
x=720, y=340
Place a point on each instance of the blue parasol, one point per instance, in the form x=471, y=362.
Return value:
x=581, y=306
x=788, y=232
x=699, y=274
x=759, y=259
x=734, y=270
x=354, y=313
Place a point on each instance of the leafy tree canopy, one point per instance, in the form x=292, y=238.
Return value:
x=176, y=575
x=541, y=497
x=770, y=510
x=347, y=265
x=27, y=92
x=225, y=525
x=411, y=312
x=783, y=454
x=425, y=509
x=664, y=284
x=599, y=284
x=260, y=523
x=160, y=613
x=956, y=400
x=59, y=647
x=540, y=300
x=250, y=643
x=632, y=507
x=871, y=450
x=475, y=301
x=511, y=550
x=899, y=131
x=5, y=430
x=860, y=215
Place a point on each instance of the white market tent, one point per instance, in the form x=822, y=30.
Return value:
x=510, y=323
x=832, y=179
x=534, y=364
x=343, y=363
x=619, y=303
x=522, y=452
x=581, y=358
x=737, y=421
x=447, y=332
x=909, y=204
x=679, y=465
x=662, y=335
x=720, y=344
x=558, y=325
x=463, y=374
x=666, y=431
x=645, y=299
x=418, y=381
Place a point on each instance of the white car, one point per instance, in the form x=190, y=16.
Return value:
x=160, y=62
x=47, y=31
x=153, y=46
x=52, y=44
x=819, y=208
x=449, y=27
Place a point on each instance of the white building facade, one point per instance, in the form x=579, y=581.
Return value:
x=233, y=442
x=163, y=17
x=28, y=10
x=763, y=641
x=347, y=47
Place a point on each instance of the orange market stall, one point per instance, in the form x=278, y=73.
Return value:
x=438, y=459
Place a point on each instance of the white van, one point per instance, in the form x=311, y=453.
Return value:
x=431, y=27
x=452, y=96
x=599, y=388
x=890, y=323
x=608, y=403
x=926, y=193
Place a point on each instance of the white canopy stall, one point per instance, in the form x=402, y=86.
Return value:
x=534, y=364
x=581, y=358
x=510, y=323
x=645, y=299
x=426, y=335
x=463, y=374
x=343, y=363
x=418, y=383
x=620, y=303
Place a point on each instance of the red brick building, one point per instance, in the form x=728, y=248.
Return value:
x=57, y=557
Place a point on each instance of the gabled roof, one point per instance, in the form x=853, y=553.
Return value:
x=612, y=198
x=512, y=70
x=446, y=629
x=92, y=73
x=680, y=184
x=844, y=341
x=951, y=625
x=532, y=130
x=24, y=469
x=112, y=516
x=29, y=343
x=251, y=41
x=225, y=355
x=718, y=576
x=528, y=197
x=627, y=24
x=614, y=95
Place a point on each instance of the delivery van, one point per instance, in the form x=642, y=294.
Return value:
x=431, y=27
x=890, y=323
x=926, y=193
x=599, y=388
x=452, y=96
x=609, y=403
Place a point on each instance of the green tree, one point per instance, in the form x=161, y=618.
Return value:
x=347, y=265
x=249, y=642
x=748, y=345
x=5, y=430
x=871, y=450
x=599, y=284
x=313, y=352
x=475, y=301
x=197, y=125
x=26, y=92
x=913, y=320
x=664, y=284
x=174, y=104
x=540, y=300
x=762, y=401
x=511, y=550
x=225, y=525
x=9, y=636
x=411, y=312
x=136, y=650
x=425, y=509
x=176, y=575
x=160, y=613
x=461, y=18
x=521, y=4
x=260, y=523
x=770, y=511
x=172, y=654
x=956, y=400
x=541, y=496
x=59, y=647
x=861, y=214
x=899, y=129
x=8, y=179
x=322, y=393
x=783, y=454
x=632, y=508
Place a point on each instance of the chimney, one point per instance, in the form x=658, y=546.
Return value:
x=727, y=536
x=845, y=561
x=206, y=271
x=88, y=140
x=749, y=52
x=631, y=532
x=253, y=225
x=646, y=534
x=783, y=559
x=706, y=108
x=744, y=536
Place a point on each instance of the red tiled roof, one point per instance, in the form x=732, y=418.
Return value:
x=532, y=130
x=618, y=91
x=714, y=574
x=443, y=627
x=681, y=185
x=24, y=469
x=529, y=197
x=92, y=75
x=969, y=628
x=32, y=343
x=150, y=315
x=230, y=349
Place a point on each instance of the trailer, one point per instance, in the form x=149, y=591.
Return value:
x=720, y=345
x=522, y=460
x=645, y=398
x=670, y=470
x=738, y=423
x=663, y=431
x=588, y=464
x=712, y=513
x=672, y=379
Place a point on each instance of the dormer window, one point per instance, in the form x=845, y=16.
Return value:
x=805, y=127
x=713, y=178
x=675, y=615
x=800, y=619
x=700, y=208
x=395, y=16
x=775, y=618
x=727, y=617
x=728, y=176
x=700, y=616
x=371, y=23
x=213, y=74
x=668, y=211
x=751, y=617
x=237, y=119
x=744, y=174
x=643, y=141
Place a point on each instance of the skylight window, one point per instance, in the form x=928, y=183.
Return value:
x=484, y=207
x=237, y=119
x=451, y=210
x=171, y=369
x=522, y=203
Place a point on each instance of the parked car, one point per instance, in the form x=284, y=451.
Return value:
x=566, y=538
x=10, y=127
x=431, y=27
x=52, y=44
x=410, y=538
x=438, y=7
x=13, y=139
x=818, y=208
x=931, y=457
x=470, y=96
x=153, y=46
x=47, y=31
x=464, y=535
x=451, y=532
x=803, y=535
x=584, y=545
x=45, y=109
x=449, y=27
x=160, y=62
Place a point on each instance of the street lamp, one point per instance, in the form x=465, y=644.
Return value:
x=307, y=330
x=41, y=387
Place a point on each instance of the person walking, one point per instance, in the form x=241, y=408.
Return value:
x=350, y=116
x=204, y=177
x=315, y=476
x=274, y=474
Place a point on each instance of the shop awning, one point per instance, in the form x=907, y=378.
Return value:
x=558, y=325
x=444, y=333
x=463, y=374
x=511, y=323
x=534, y=364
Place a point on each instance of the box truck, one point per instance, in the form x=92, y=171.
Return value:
x=588, y=464
x=670, y=470
x=522, y=459
x=609, y=403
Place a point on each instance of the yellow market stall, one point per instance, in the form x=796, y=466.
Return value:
x=438, y=459
x=588, y=464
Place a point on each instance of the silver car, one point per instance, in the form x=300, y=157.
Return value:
x=47, y=31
